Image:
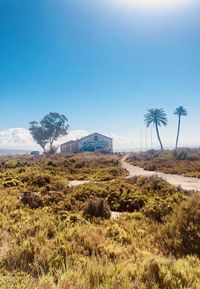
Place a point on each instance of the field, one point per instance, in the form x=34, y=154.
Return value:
x=49, y=238
x=185, y=162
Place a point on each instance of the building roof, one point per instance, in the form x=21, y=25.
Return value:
x=68, y=142
x=96, y=133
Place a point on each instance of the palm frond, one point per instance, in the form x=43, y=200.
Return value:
x=156, y=117
x=181, y=111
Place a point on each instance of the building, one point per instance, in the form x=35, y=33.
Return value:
x=92, y=143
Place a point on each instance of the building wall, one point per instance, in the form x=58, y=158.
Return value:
x=70, y=147
x=94, y=142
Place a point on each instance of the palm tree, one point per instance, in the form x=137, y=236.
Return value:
x=180, y=111
x=157, y=117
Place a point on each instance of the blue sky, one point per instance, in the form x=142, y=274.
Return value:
x=101, y=63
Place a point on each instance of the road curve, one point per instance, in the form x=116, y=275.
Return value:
x=187, y=183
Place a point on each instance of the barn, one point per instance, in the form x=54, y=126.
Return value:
x=95, y=142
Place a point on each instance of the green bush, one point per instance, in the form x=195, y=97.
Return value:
x=158, y=208
x=9, y=183
x=181, y=234
x=118, y=234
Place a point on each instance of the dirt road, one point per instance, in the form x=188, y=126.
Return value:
x=186, y=183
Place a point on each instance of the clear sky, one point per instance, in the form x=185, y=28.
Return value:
x=102, y=63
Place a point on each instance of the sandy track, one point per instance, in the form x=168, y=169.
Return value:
x=76, y=183
x=186, y=183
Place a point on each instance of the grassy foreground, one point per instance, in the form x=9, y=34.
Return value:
x=154, y=244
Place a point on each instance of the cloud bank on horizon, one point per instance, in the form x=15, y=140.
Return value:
x=20, y=138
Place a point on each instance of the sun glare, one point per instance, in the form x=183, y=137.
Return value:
x=151, y=4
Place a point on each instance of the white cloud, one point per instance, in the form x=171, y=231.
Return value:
x=20, y=138
x=15, y=138
x=73, y=135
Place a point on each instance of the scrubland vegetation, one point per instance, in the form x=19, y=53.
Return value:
x=53, y=236
x=182, y=162
x=57, y=170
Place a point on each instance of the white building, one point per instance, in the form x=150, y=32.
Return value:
x=92, y=143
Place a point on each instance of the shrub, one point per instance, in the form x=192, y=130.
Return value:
x=52, y=150
x=181, y=234
x=159, y=273
x=11, y=183
x=41, y=181
x=118, y=234
x=32, y=199
x=128, y=199
x=184, y=161
x=97, y=208
x=181, y=155
x=151, y=167
x=158, y=208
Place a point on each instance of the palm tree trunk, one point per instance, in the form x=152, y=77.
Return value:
x=158, y=135
x=178, y=132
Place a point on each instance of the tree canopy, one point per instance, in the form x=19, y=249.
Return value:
x=157, y=117
x=49, y=129
x=180, y=111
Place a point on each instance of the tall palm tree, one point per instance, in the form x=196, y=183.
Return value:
x=157, y=117
x=180, y=111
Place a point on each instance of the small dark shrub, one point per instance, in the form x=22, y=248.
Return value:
x=133, y=180
x=11, y=183
x=32, y=199
x=51, y=163
x=151, y=167
x=80, y=165
x=41, y=181
x=181, y=155
x=53, y=197
x=97, y=208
